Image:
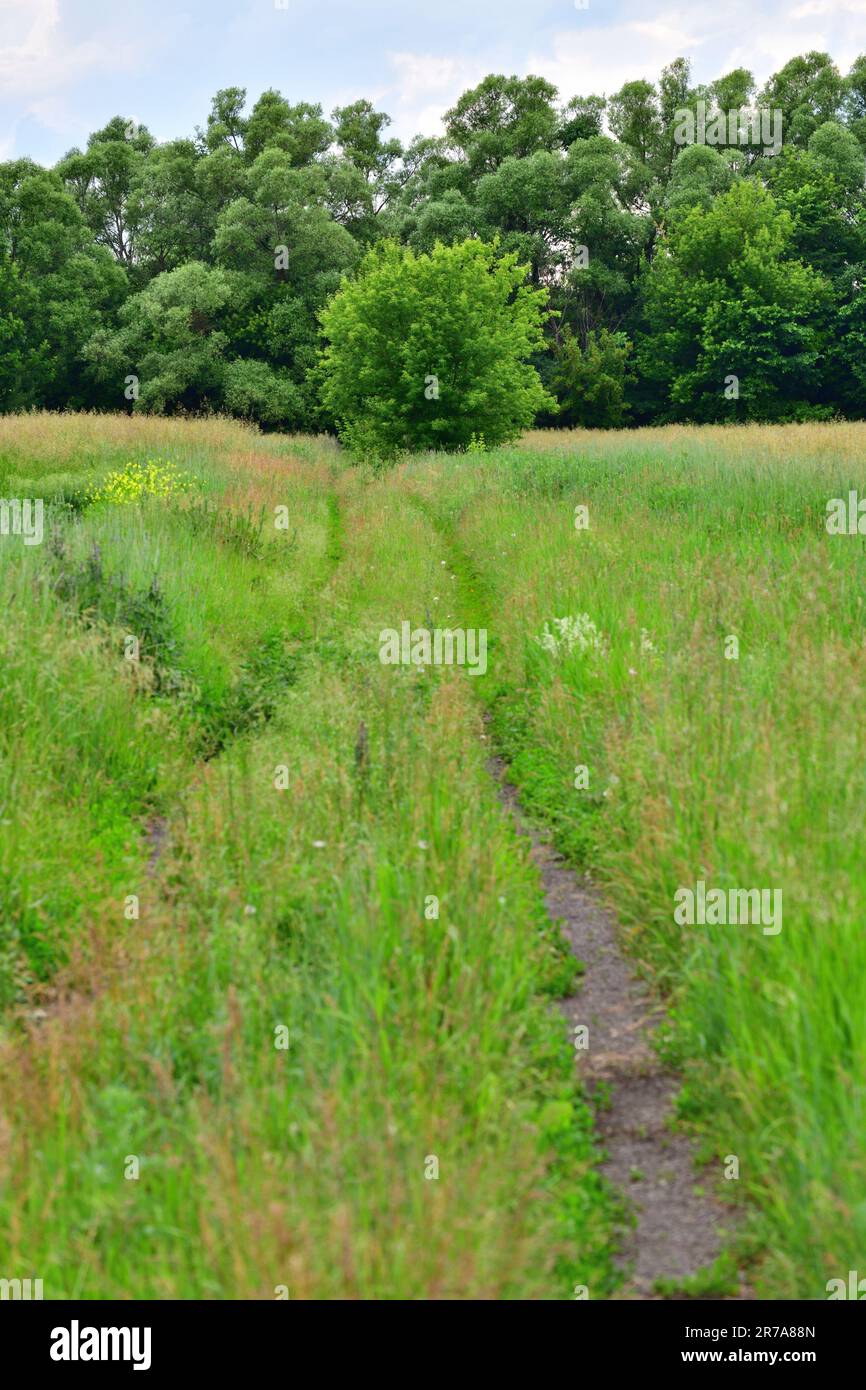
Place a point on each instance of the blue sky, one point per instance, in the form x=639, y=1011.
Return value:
x=67, y=66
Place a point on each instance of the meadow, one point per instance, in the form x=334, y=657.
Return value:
x=240, y=1057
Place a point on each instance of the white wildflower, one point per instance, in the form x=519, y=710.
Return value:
x=564, y=635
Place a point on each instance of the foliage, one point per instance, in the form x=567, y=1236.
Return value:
x=725, y=299
x=590, y=384
x=261, y=214
x=426, y=351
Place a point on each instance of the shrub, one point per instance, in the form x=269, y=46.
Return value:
x=426, y=351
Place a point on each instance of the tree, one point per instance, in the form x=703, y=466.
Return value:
x=525, y=202
x=225, y=124
x=581, y=119
x=427, y=351
x=101, y=180
x=725, y=299
x=358, y=133
x=55, y=286
x=855, y=98
x=733, y=91
x=170, y=208
x=808, y=91
x=590, y=384
x=698, y=177
x=300, y=131
x=255, y=391
x=602, y=182
x=169, y=340
x=502, y=117
x=635, y=119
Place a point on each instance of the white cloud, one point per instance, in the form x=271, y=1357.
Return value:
x=828, y=7
x=596, y=56
x=602, y=59
x=42, y=70
x=593, y=57
x=426, y=86
x=35, y=58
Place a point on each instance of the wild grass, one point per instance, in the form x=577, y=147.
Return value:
x=743, y=773
x=284, y=809
x=420, y=1134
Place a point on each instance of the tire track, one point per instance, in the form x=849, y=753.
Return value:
x=677, y=1229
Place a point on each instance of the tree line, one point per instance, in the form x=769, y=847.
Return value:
x=704, y=277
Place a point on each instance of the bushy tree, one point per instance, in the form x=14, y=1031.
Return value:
x=809, y=90
x=426, y=351
x=253, y=390
x=102, y=180
x=169, y=339
x=56, y=285
x=503, y=117
x=725, y=297
x=590, y=384
x=698, y=177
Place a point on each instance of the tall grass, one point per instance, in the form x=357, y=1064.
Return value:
x=420, y=1134
x=411, y=1037
x=744, y=773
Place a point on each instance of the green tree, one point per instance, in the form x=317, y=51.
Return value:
x=56, y=288
x=425, y=351
x=171, y=209
x=170, y=340
x=525, y=203
x=253, y=390
x=581, y=119
x=300, y=131
x=808, y=91
x=226, y=125
x=590, y=384
x=502, y=117
x=601, y=180
x=698, y=177
x=726, y=298
x=854, y=100
x=102, y=179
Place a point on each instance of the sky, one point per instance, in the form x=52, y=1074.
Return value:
x=68, y=66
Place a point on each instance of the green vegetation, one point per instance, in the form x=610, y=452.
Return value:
x=237, y=1042
x=429, y=351
x=267, y=932
x=744, y=773
x=684, y=280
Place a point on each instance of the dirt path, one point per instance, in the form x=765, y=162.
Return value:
x=677, y=1232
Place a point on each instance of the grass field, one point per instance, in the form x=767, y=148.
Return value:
x=237, y=1043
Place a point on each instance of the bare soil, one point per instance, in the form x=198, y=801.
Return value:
x=677, y=1230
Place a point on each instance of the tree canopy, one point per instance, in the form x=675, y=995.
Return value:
x=213, y=268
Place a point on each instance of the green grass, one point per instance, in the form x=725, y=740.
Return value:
x=307, y=802
x=746, y=773
x=412, y=1040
